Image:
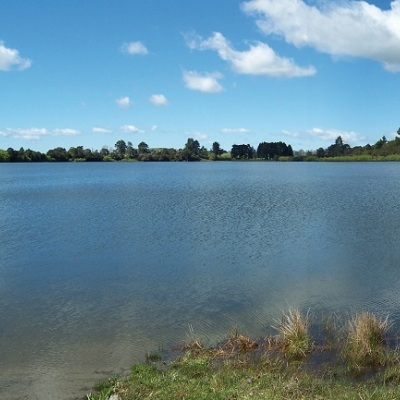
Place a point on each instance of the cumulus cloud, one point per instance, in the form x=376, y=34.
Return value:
x=97, y=129
x=134, y=48
x=65, y=132
x=235, y=130
x=124, y=102
x=259, y=59
x=38, y=133
x=346, y=28
x=130, y=129
x=10, y=59
x=206, y=82
x=158, y=100
x=199, y=136
x=331, y=135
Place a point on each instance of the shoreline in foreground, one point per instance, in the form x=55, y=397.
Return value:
x=358, y=359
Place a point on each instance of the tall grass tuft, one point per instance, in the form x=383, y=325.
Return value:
x=366, y=340
x=293, y=334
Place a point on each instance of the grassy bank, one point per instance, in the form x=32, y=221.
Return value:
x=351, y=360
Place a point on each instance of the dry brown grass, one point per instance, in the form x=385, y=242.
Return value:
x=238, y=343
x=366, y=339
x=293, y=333
x=192, y=343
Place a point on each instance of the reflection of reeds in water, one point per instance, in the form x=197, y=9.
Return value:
x=192, y=342
x=293, y=333
x=366, y=339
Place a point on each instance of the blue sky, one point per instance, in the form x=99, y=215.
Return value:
x=88, y=73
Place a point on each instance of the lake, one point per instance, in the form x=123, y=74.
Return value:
x=101, y=263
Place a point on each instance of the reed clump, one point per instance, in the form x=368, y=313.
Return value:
x=293, y=334
x=366, y=340
x=238, y=343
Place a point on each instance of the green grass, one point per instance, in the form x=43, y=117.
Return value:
x=240, y=368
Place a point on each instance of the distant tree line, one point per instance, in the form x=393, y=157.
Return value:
x=381, y=149
x=192, y=151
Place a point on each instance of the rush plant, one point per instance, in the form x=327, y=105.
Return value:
x=293, y=333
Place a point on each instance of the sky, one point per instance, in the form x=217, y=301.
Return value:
x=89, y=73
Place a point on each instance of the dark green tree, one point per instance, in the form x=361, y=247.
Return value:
x=338, y=148
x=120, y=147
x=320, y=152
x=130, y=151
x=192, y=146
x=242, y=151
x=274, y=150
x=58, y=154
x=143, y=148
x=216, y=149
x=75, y=153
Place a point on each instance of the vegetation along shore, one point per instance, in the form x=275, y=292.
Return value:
x=332, y=359
x=382, y=150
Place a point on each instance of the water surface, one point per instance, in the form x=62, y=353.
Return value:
x=103, y=262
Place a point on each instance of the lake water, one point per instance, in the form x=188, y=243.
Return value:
x=100, y=263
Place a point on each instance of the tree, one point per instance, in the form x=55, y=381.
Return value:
x=76, y=153
x=143, y=148
x=192, y=146
x=104, y=151
x=274, y=150
x=58, y=154
x=130, y=151
x=216, y=149
x=120, y=147
x=320, y=152
x=380, y=143
x=240, y=151
x=191, y=151
x=338, y=148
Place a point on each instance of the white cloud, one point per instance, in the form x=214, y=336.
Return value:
x=65, y=132
x=235, y=130
x=130, y=129
x=154, y=128
x=97, y=129
x=260, y=59
x=206, y=83
x=134, y=48
x=124, y=102
x=10, y=59
x=200, y=136
x=30, y=133
x=158, y=100
x=332, y=134
x=291, y=134
x=346, y=28
x=38, y=133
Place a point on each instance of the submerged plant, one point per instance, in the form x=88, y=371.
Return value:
x=192, y=342
x=293, y=333
x=366, y=339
